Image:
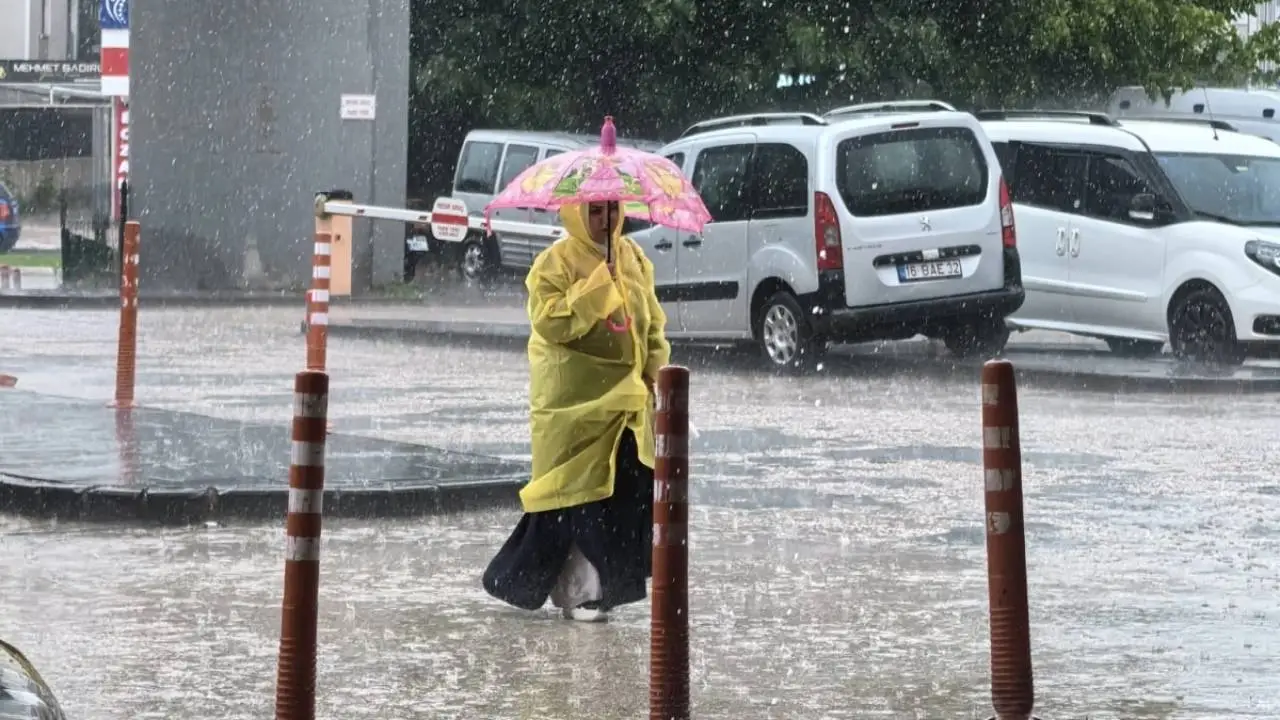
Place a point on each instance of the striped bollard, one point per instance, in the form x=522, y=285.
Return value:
x=296, y=673
x=1012, y=689
x=318, y=302
x=127, y=340
x=669, y=620
x=4, y=277
x=17, y=278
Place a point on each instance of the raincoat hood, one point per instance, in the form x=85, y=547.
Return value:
x=576, y=221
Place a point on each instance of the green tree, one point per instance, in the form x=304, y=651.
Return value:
x=659, y=65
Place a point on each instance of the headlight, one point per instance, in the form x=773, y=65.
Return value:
x=1264, y=253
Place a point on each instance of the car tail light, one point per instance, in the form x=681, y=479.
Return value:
x=826, y=233
x=1007, y=232
x=4, y=210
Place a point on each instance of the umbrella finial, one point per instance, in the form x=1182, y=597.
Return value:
x=608, y=135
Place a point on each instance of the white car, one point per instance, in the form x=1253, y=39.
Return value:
x=873, y=223
x=1145, y=232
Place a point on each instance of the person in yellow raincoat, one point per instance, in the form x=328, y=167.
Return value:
x=597, y=342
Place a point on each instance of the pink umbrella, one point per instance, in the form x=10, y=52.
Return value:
x=649, y=187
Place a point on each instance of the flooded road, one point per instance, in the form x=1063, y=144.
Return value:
x=837, y=561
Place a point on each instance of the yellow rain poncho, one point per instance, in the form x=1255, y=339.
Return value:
x=588, y=383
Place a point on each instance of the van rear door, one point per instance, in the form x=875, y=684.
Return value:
x=919, y=209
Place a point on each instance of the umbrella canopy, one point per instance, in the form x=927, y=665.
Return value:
x=649, y=187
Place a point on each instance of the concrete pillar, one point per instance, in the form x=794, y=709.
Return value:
x=235, y=126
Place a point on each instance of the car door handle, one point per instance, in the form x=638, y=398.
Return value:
x=663, y=246
x=1075, y=243
x=1060, y=247
x=692, y=242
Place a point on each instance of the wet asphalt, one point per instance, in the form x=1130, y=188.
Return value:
x=837, y=547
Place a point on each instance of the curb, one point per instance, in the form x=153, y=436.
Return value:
x=61, y=301
x=428, y=331
x=45, y=499
x=1048, y=365
x=1076, y=380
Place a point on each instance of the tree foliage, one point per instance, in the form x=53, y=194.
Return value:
x=659, y=65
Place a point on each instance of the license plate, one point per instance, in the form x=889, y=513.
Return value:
x=935, y=270
x=417, y=243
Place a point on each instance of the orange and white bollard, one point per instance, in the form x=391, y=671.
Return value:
x=669, y=619
x=296, y=673
x=317, y=324
x=127, y=344
x=1012, y=687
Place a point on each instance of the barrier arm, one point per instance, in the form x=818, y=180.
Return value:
x=346, y=208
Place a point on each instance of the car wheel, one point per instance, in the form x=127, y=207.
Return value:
x=785, y=334
x=983, y=338
x=474, y=263
x=7, y=241
x=1130, y=348
x=1201, y=329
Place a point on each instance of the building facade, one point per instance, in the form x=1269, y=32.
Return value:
x=229, y=144
x=49, y=30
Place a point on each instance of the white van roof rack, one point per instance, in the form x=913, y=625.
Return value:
x=754, y=119
x=1215, y=124
x=1094, y=118
x=892, y=106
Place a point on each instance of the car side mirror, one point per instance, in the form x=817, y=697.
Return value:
x=1142, y=207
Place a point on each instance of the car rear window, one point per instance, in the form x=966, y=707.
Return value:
x=911, y=170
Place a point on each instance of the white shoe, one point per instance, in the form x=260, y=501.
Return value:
x=586, y=612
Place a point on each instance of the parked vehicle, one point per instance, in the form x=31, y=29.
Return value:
x=1242, y=109
x=10, y=221
x=489, y=161
x=875, y=223
x=419, y=243
x=1144, y=232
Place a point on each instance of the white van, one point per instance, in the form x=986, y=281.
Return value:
x=1240, y=109
x=871, y=224
x=1142, y=232
x=489, y=161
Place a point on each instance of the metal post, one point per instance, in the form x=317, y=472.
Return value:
x=123, y=219
x=4, y=277
x=669, y=621
x=127, y=344
x=1012, y=689
x=296, y=672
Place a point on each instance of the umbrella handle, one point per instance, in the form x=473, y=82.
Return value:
x=608, y=229
x=624, y=326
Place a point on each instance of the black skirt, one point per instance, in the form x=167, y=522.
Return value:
x=615, y=534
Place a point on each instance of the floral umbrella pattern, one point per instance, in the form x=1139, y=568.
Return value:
x=648, y=186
